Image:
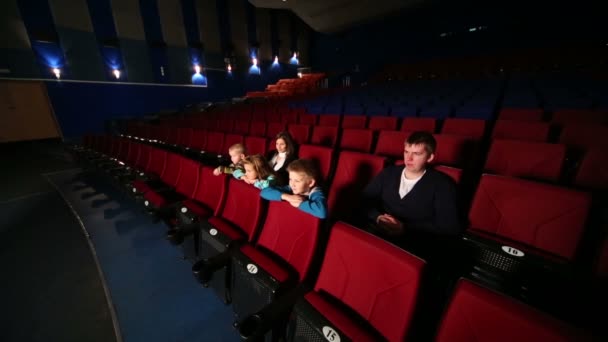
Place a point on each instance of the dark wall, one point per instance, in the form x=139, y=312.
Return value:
x=415, y=34
x=88, y=39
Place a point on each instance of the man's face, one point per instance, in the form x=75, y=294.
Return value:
x=416, y=157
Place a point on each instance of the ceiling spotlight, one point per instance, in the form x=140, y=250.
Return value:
x=254, y=61
x=197, y=69
x=116, y=73
x=229, y=68
x=57, y=72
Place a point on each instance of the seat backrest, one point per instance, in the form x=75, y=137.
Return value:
x=526, y=159
x=581, y=116
x=215, y=143
x=184, y=136
x=225, y=125
x=354, y=121
x=158, y=161
x=353, y=172
x=272, y=115
x=554, y=217
x=290, y=234
x=454, y=150
x=257, y=129
x=309, y=119
x=391, y=144
x=521, y=130
x=289, y=117
x=329, y=120
x=468, y=127
x=256, y=145
x=584, y=136
x=274, y=128
x=133, y=155
x=241, y=127
x=521, y=114
x=143, y=158
x=356, y=139
x=199, y=139
x=300, y=133
x=377, y=280
x=211, y=189
x=601, y=262
x=231, y=139
x=171, y=174
x=476, y=313
x=188, y=177
x=173, y=137
x=452, y=172
x=243, y=207
x=382, y=123
x=592, y=171
x=324, y=136
x=419, y=124
x=320, y=155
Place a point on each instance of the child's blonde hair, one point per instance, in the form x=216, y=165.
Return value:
x=307, y=167
x=240, y=148
x=260, y=165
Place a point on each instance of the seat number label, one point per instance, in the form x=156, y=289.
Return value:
x=330, y=334
x=253, y=269
x=512, y=251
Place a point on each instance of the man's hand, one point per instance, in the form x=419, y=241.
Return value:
x=294, y=200
x=217, y=171
x=390, y=225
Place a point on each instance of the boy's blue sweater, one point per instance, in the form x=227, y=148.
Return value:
x=315, y=205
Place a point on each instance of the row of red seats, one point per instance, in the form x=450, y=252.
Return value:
x=531, y=159
x=572, y=133
x=282, y=113
x=351, y=163
x=500, y=220
x=561, y=116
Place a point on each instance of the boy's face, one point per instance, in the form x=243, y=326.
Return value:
x=300, y=183
x=236, y=156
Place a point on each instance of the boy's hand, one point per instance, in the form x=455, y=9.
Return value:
x=217, y=171
x=294, y=200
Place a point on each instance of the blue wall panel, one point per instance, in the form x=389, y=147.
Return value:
x=137, y=59
x=180, y=67
x=83, y=108
x=82, y=54
x=21, y=63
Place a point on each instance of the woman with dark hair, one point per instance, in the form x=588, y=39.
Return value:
x=284, y=154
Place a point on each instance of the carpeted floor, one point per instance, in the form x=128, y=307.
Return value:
x=67, y=239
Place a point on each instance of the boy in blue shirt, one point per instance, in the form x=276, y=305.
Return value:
x=303, y=192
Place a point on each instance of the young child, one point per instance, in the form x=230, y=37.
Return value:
x=303, y=191
x=237, y=153
x=257, y=172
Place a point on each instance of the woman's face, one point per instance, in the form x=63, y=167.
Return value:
x=250, y=172
x=281, y=145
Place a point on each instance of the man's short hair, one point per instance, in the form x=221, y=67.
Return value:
x=238, y=147
x=424, y=138
x=305, y=166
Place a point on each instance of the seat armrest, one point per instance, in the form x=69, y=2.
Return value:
x=258, y=324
